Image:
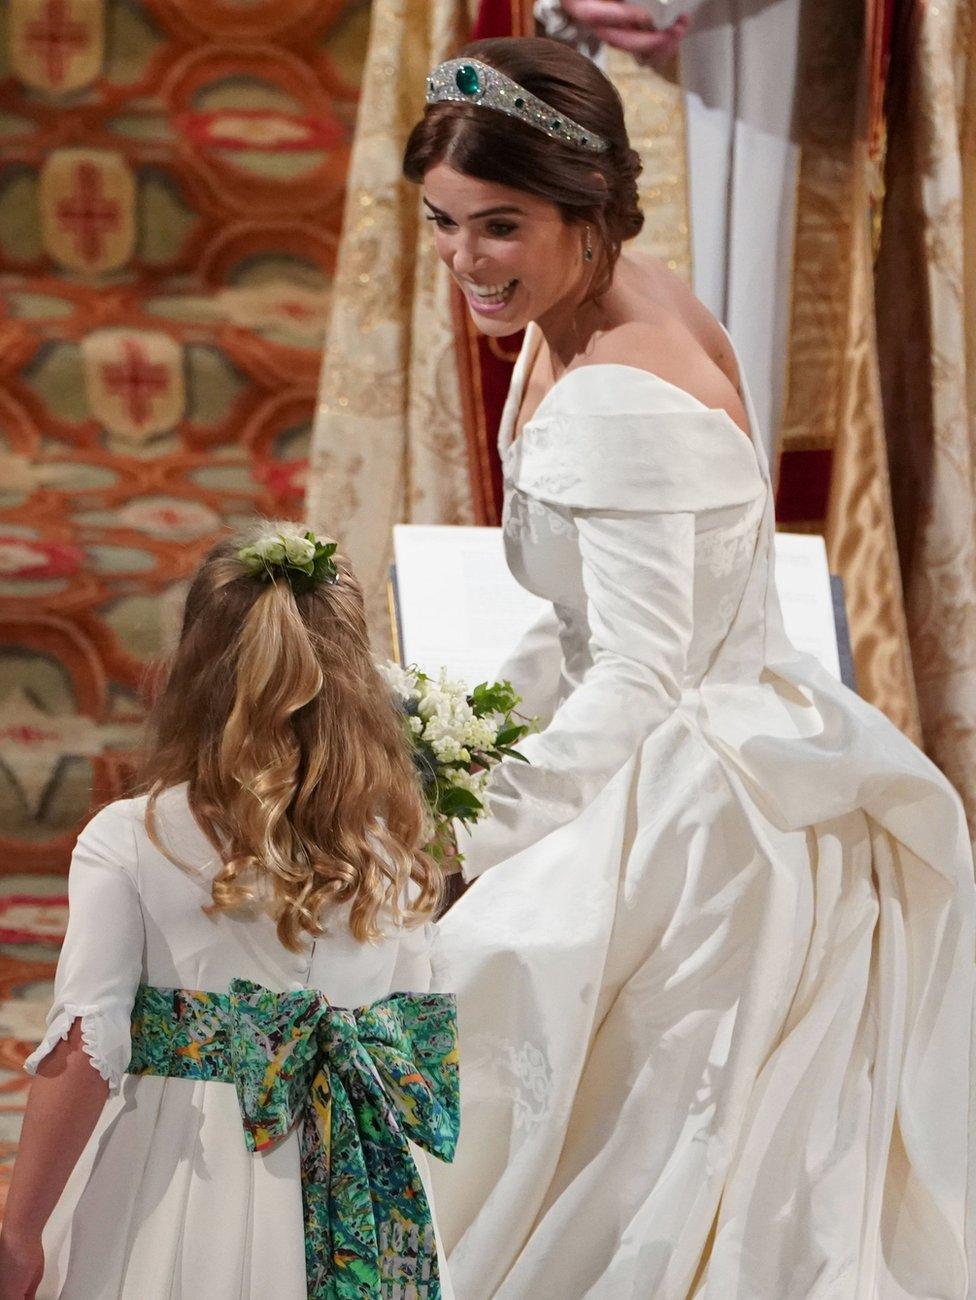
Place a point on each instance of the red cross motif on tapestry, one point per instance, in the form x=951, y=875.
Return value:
x=54, y=37
x=55, y=46
x=88, y=209
x=88, y=214
x=136, y=380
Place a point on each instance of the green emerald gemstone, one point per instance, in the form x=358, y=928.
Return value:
x=467, y=79
x=520, y=103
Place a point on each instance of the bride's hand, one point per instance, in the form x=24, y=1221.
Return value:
x=626, y=26
x=451, y=864
x=445, y=850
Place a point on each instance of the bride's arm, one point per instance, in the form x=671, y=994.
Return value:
x=638, y=576
x=535, y=667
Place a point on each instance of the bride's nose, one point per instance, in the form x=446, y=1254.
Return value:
x=467, y=257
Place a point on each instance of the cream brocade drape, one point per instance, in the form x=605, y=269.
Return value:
x=388, y=444
x=927, y=276
x=655, y=124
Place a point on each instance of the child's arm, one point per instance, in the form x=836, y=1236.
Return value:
x=65, y=1102
x=87, y=1046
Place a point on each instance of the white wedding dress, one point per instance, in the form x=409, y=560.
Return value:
x=716, y=985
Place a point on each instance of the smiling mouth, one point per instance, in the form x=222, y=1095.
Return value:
x=490, y=295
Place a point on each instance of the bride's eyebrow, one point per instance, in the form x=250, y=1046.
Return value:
x=477, y=216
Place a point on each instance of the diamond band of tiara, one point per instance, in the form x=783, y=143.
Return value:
x=468, y=81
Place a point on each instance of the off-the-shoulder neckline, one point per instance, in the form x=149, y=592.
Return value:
x=506, y=432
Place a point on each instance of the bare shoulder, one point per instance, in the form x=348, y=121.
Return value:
x=668, y=348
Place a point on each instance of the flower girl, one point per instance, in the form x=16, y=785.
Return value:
x=245, y=979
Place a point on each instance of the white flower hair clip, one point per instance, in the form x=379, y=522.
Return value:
x=301, y=558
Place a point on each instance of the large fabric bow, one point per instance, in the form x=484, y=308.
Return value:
x=360, y=1084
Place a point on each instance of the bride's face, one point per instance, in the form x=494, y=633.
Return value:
x=512, y=253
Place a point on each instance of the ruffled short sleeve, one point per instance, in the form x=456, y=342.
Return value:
x=101, y=962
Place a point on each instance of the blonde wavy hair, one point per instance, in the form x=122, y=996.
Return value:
x=298, y=768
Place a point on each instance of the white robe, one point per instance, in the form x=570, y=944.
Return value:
x=739, y=77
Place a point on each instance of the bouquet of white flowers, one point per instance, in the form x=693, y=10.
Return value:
x=458, y=736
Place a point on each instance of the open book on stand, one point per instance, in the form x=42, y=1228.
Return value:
x=455, y=605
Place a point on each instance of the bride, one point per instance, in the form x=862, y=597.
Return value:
x=716, y=971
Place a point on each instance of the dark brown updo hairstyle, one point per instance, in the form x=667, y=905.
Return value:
x=599, y=188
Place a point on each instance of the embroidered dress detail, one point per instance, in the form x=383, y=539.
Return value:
x=360, y=1083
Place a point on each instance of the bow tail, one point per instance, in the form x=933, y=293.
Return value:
x=407, y=1247
x=341, y=1250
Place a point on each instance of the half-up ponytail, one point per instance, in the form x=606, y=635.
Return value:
x=294, y=755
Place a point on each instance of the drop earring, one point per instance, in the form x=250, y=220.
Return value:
x=588, y=247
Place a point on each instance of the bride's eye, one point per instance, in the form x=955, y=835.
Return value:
x=440, y=221
x=500, y=229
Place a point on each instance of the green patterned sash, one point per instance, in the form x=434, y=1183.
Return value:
x=360, y=1083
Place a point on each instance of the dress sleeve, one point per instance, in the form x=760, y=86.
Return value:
x=101, y=961
x=535, y=667
x=637, y=574
x=633, y=485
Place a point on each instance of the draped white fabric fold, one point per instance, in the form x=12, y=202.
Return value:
x=716, y=981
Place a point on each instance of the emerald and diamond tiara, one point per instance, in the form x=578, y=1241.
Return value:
x=468, y=81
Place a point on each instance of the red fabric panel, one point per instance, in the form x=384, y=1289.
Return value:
x=804, y=487
x=499, y=18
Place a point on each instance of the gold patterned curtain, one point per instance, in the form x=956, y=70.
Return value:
x=388, y=444
x=833, y=413
x=655, y=118
x=926, y=293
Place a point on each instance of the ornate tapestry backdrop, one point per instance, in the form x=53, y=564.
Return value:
x=171, y=189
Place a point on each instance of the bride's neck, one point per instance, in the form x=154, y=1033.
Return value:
x=572, y=325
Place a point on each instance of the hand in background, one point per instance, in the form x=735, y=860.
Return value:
x=626, y=26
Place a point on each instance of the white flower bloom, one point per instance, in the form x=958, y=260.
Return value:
x=271, y=549
x=473, y=782
x=480, y=733
x=415, y=724
x=435, y=703
x=299, y=550
x=401, y=681
x=444, y=698
x=448, y=749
